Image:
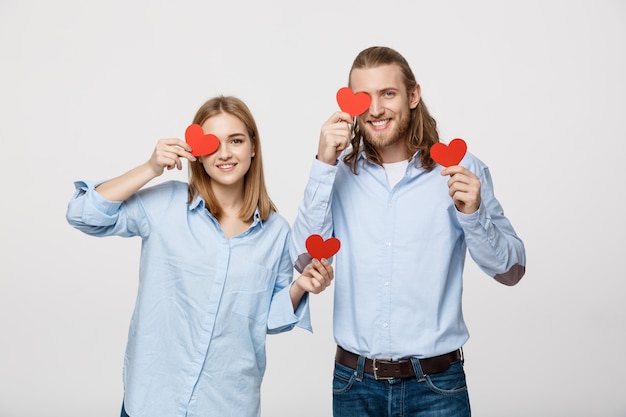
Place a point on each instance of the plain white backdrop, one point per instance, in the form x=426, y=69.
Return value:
x=536, y=88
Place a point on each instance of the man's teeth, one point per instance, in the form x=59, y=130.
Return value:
x=380, y=123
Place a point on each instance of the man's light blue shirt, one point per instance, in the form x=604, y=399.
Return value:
x=399, y=272
x=196, y=343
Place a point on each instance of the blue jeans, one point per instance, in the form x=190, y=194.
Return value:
x=359, y=394
x=123, y=413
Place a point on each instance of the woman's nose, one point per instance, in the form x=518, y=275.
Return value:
x=223, y=152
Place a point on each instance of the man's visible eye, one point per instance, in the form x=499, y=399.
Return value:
x=389, y=94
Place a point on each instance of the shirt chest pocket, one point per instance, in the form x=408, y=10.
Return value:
x=251, y=290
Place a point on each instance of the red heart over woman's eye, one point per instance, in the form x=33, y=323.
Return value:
x=200, y=143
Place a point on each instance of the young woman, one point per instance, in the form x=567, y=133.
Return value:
x=215, y=272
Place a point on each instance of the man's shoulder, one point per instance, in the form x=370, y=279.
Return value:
x=473, y=163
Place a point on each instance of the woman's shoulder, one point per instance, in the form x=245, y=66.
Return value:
x=167, y=190
x=277, y=220
x=170, y=185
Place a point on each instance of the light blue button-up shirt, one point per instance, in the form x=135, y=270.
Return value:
x=196, y=344
x=398, y=275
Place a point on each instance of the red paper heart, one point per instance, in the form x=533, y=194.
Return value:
x=354, y=104
x=449, y=155
x=200, y=143
x=319, y=248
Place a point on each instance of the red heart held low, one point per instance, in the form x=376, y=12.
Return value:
x=449, y=155
x=319, y=248
x=354, y=104
x=200, y=143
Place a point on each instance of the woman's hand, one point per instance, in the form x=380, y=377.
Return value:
x=168, y=154
x=316, y=277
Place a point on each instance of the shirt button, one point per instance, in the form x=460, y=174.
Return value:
x=386, y=283
x=388, y=244
x=385, y=325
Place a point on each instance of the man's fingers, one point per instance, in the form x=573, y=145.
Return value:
x=339, y=117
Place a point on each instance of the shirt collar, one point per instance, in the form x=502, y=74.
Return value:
x=256, y=219
x=412, y=160
x=198, y=202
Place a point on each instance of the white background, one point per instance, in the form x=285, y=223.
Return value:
x=536, y=88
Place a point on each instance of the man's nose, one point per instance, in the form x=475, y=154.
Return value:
x=376, y=108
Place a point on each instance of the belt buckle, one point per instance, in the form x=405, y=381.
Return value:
x=375, y=369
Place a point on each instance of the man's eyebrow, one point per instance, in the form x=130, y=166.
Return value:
x=381, y=90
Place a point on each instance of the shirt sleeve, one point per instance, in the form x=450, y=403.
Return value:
x=92, y=214
x=314, y=212
x=491, y=240
x=281, y=317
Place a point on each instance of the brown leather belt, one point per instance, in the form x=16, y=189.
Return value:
x=387, y=369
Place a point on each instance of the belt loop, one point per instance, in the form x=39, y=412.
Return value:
x=419, y=374
x=360, y=366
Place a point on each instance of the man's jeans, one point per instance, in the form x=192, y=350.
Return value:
x=357, y=394
x=123, y=413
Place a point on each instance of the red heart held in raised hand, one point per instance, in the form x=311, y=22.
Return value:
x=354, y=104
x=449, y=155
x=200, y=143
x=319, y=248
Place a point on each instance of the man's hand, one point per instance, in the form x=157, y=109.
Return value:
x=334, y=137
x=464, y=188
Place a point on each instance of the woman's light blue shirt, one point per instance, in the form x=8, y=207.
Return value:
x=196, y=343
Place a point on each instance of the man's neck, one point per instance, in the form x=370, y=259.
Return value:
x=393, y=153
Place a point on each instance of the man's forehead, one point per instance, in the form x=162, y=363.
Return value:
x=371, y=79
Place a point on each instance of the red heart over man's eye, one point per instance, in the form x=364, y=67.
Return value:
x=200, y=143
x=354, y=104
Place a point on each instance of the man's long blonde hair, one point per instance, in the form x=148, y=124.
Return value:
x=422, y=131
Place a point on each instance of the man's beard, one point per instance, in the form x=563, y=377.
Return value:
x=386, y=138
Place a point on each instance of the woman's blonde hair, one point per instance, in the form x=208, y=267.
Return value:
x=255, y=193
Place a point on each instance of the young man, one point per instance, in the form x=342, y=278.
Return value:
x=405, y=224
